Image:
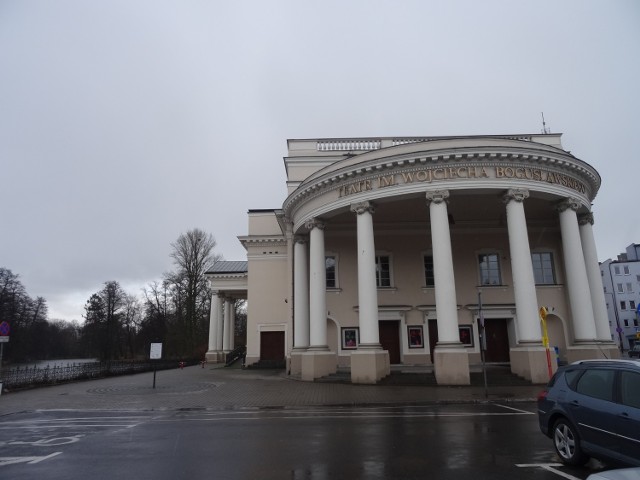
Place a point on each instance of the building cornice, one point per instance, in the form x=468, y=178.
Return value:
x=556, y=171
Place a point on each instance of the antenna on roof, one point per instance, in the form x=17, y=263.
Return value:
x=545, y=130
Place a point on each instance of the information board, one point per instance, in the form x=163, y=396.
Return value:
x=156, y=351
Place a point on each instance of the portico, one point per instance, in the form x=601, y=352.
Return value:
x=382, y=247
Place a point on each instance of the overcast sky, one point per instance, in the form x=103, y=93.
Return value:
x=126, y=123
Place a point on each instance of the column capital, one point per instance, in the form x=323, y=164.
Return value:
x=437, y=196
x=363, y=207
x=585, y=218
x=517, y=194
x=314, y=223
x=301, y=239
x=568, y=203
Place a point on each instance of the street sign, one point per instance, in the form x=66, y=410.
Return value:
x=4, y=329
x=4, y=339
x=156, y=351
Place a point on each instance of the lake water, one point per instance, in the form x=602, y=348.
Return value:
x=55, y=363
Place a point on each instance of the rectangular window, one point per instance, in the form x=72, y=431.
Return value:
x=543, y=268
x=620, y=289
x=429, y=279
x=626, y=323
x=330, y=270
x=632, y=304
x=638, y=278
x=625, y=269
x=383, y=271
x=616, y=270
x=489, y=264
x=623, y=305
x=629, y=287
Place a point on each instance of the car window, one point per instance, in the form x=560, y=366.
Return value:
x=570, y=377
x=597, y=384
x=630, y=389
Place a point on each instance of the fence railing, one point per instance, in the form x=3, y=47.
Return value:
x=26, y=377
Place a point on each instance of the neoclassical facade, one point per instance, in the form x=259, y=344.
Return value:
x=422, y=251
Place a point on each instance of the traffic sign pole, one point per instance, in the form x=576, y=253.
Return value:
x=545, y=338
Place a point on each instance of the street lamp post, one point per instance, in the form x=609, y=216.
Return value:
x=618, y=327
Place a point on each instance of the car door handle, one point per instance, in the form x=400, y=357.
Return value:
x=624, y=415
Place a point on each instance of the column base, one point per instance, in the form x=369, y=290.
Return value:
x=451, y=365
x=318, y=364
x=212, y=356
x=593, y=351
x=295, y=363
x=531, y=363
x=369, y=366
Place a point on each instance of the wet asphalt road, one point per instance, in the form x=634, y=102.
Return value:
x=481, y=441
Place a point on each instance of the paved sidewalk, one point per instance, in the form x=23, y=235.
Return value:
x=216, y=387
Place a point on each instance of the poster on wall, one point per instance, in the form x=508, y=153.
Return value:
x=350, y=338
x=466, y=335
x=416, y=338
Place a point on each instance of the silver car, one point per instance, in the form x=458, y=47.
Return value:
x=591, y=408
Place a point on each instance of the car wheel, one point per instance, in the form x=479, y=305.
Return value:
x=567, y=443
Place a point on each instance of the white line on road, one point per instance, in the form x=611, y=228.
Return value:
x=548, y=467
x=28, y=460
x=524, y=412
x=350, y=415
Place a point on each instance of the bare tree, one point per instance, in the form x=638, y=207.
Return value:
x=103, y=329
x=193, y=256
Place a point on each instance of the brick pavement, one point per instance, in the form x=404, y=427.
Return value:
x=216, y=387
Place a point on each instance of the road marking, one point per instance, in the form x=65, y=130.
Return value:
x=323, y=413
x=548, y=467
x=524, y=412
x=36, y=427
x=47, y=442
x=28, y=460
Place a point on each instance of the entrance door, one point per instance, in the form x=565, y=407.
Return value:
x=390, y=338
x=272, y=346
x=433, y=337
x=497, y=340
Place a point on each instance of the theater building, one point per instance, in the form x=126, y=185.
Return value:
x=419, y=251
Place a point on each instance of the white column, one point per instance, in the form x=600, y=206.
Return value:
x=301, y=295
x=213, y=321
x=226, y=339
x=367, y=289
x=577, y=284
x=445, y=287
x=220, y=325
x=524, y=286
x=232, y=326
x=317, y=287
x=595, y=279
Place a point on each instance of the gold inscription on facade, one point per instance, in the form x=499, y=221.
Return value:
x=429, y=175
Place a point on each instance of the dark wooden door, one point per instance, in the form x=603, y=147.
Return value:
x=272, y=346
x=497, y=340
x=433, y=337
x=390, y=339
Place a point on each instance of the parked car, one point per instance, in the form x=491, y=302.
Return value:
x=621, y=474
x=635, y=351
x=591, y=408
